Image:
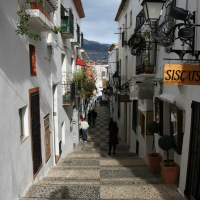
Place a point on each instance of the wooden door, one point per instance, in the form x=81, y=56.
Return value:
x=35, y=131
x=192, y=189
x=47, y=138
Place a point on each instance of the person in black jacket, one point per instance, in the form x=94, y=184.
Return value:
x=94, y=116
x=113, y=136
x=89, y=117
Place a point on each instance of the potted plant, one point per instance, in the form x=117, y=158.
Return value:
x=170, y=169
x=154, y=158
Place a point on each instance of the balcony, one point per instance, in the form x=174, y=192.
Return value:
x=67, y=23
x=39, y=17
x=68, y=93
x=77, y=37
x=144, y=69
x=81, y=41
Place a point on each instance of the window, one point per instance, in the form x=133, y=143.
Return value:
x=103, y=74
x=134, y=114
x=23, y=122
x=131, y=18
x=63, y=132
x=32, y=55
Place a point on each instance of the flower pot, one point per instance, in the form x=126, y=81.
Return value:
x=35, y=5
x=148, y=69
x=154, y=160
x=170, y=172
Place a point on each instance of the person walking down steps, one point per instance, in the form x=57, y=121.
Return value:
x=94, y=116
x=84, y=126
x=113, y=136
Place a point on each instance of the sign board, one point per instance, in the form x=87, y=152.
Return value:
x=124, y=98
x=181, y=74
x=141, y=91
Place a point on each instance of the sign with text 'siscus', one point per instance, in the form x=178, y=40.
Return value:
x=181, y=74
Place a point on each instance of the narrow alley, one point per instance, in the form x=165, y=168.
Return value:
x=90, y=173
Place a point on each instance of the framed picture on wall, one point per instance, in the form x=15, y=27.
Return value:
x=176, y=123
x=159, y=113
x=149, y=118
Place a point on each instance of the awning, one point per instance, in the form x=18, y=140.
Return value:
x=80, y=62
x=168, y=98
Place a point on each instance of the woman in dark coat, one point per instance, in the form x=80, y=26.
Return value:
x=113, y=136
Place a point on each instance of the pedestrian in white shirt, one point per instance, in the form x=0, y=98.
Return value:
x=84, y=126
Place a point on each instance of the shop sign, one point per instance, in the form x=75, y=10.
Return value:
x=124, y=98
x=181, y=74
x=141, y=91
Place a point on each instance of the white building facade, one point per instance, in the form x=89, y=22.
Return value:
x=37, y=126
x=155, y=94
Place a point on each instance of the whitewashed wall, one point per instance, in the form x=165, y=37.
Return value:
x=183, y=95
x=16, y=170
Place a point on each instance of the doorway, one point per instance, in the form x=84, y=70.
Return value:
x=35, y=130
x=192, y=189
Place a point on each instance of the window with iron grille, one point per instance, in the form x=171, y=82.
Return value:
x=140, y=19
x=78, y=34
x=134, y=114
x=67, y=21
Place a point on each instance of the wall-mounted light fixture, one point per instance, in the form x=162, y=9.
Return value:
x=184, y=31
x=153, y=9
x=116, y=80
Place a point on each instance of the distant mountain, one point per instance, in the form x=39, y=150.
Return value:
x=96, y=51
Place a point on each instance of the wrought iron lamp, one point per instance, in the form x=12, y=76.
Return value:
x=153, y=9
x=184, y=31
x=116, y=80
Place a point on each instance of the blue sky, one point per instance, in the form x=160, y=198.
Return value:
x=98, y=24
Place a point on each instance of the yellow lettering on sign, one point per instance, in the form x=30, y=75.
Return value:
x=181, y=74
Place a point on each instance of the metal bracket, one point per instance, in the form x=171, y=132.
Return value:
x=182, y=53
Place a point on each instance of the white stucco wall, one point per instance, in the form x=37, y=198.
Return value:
x=184, y=95
x=16, y=170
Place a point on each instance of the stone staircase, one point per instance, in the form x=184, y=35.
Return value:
x=90, y=173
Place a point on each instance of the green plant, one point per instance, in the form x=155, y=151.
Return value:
x=166, y=143
x=23, y=24
x=56, y=30
x=84, y=83
x=40, y=2
x=147, y=35
x=153, y=127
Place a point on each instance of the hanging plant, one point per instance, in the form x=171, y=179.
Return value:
x=57, y=30
x=23, y=24
x=83, y=82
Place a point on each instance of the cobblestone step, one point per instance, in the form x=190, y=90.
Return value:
x=90, y=173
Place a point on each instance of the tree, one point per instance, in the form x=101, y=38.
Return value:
x=84, y=83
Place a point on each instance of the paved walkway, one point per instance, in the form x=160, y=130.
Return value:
x=89, y=173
